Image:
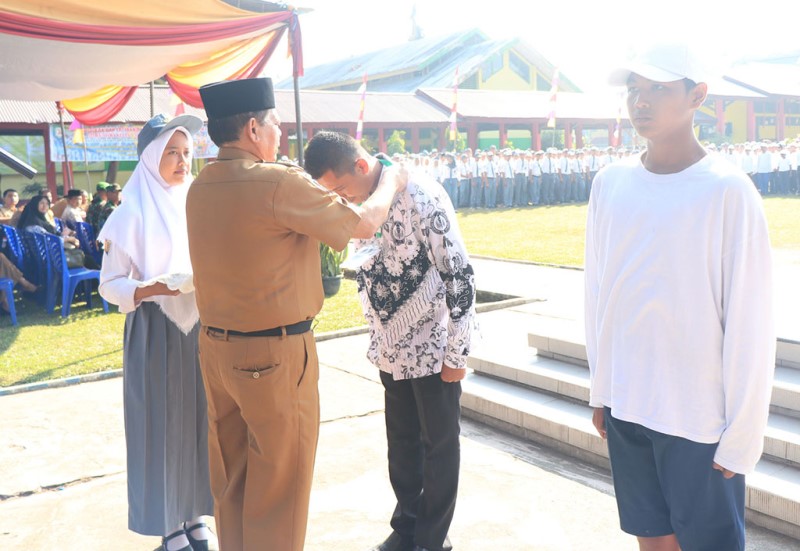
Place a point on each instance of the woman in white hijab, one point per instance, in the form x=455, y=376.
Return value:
x=146, y=271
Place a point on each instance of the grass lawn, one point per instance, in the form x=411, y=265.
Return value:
x=46, y=347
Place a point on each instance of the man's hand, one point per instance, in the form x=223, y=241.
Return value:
x=725, y=472
x=452, y=375
x=599, y=422
x=397, y=175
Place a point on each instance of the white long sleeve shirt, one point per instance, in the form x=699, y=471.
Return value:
x=679, y=315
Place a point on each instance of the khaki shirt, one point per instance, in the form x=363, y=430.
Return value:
x=254, y=233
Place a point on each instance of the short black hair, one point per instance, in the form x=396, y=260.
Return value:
x=689, y=84
x=227, y=129
x=331, y=151
x=6, y=192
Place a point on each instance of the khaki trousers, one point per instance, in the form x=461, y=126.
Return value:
x=263, y=419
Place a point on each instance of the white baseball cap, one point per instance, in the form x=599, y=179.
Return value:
x=662, y=62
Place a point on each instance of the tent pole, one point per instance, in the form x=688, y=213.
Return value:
x=86, y=162
x=300, y=144
x=67, y=184
x=152, y=99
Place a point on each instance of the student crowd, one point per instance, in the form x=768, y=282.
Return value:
x=493, y=178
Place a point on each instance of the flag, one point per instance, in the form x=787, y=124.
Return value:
x=551, y=118
x=77, y=131
x=454, y=110
x=363, y=90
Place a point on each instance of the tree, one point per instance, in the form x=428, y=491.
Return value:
x=396, y=142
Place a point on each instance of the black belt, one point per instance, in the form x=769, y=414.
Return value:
x=295, y=329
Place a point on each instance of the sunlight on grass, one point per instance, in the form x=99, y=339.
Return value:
x=46, y=347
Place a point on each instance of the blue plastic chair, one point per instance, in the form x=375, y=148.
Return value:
x=15, y=247
x=85, y=234
x=7, y=286
x=69, y=278
x=59, y=224
x=34, y=258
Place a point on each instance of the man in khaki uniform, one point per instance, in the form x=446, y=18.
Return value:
x=254, y=232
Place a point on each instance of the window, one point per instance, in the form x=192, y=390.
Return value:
x=542, y=83
x=792, y=107
x=491, y=66
x=765, y=107
x=518, y=65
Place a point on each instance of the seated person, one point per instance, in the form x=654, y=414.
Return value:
x=74, y=213
x=9, y=206
x=8, y=270
x=112, y=193
x=96, y=207
x=34, y=220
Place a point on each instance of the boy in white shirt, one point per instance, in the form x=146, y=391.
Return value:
x=679, y=327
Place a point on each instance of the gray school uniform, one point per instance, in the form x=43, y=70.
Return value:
x=166, y=424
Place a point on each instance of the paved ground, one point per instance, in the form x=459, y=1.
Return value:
x=63, y=474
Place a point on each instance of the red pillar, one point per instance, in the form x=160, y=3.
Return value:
x=443, y=133
x=751, y=121
x=284, y=146
x=719, y=111
x=579, y=136
x=780, y=120
x=381, y=140
x=536, y=137
x=611, y=140
x=503, y=134
x=472, y=136
x=568, y=135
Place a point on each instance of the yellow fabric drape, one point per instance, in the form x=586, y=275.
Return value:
x=221, y=65
x=91, y=101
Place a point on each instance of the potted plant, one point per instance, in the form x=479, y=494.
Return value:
x=331, y=269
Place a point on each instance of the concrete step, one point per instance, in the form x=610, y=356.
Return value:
x=786, y=387
x=526, y=368
x=773, y=491
x=568, y=344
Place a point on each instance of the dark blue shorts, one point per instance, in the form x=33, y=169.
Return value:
x=666, y=485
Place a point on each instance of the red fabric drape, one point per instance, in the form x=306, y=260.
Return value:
x=50, y=29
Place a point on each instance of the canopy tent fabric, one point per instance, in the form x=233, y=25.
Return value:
x=91, y=56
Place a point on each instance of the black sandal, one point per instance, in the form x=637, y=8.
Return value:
x=173, y=536
x=197, y=545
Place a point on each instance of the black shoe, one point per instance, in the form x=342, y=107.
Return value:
x=395, y=542
x=173, y=536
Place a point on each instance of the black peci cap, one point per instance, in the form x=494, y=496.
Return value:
x=231, y=97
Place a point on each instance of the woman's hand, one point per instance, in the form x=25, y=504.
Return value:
x=156, y=289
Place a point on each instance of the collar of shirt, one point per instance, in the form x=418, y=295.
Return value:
x=229, y=153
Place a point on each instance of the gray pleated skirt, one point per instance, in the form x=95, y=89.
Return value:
x=166, y=424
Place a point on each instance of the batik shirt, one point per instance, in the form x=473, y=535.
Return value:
x=418, y=289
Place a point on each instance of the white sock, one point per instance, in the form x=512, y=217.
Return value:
x=202, y=533
x=178, y=542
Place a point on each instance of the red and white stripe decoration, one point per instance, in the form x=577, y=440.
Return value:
x=454, y=110
x=551, y=118
x=363, y=90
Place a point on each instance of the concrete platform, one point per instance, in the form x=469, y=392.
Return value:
x=62, y=459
